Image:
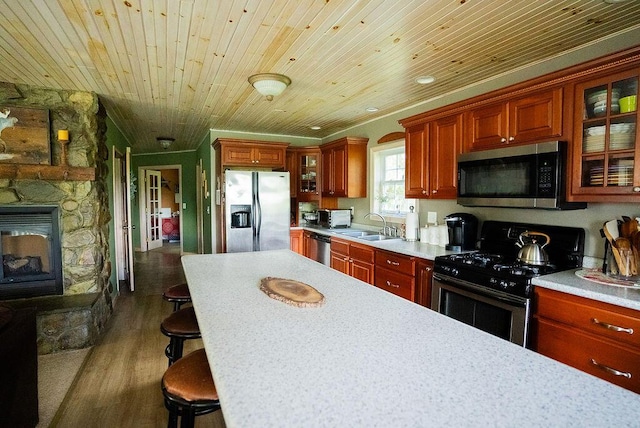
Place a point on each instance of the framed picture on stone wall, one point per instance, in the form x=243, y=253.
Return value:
x=24, y=135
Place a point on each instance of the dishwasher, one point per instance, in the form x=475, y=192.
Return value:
x=320, y=248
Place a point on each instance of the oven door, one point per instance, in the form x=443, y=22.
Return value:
x=495, y=312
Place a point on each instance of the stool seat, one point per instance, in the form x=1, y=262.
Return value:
x=179, y=326
x=189, y=390
x=178, y=294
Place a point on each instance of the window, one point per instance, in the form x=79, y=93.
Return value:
x=388, y=182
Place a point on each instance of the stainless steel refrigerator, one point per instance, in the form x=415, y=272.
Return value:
x=256, y=210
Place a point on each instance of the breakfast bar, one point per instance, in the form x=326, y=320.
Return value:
x=368, y=358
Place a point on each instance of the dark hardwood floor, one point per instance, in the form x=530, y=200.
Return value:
x=119, y=385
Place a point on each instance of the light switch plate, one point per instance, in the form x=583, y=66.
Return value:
x=432, y=217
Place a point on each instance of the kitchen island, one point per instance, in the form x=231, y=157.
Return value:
x=369, y=358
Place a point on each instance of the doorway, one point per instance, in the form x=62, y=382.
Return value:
x=122, y=218
x=160, y=202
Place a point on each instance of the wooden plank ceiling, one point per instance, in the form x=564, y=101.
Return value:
x=179, y=67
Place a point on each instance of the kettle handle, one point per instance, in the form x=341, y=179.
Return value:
x=529, y=234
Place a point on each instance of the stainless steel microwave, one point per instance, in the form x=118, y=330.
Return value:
x=529, y=176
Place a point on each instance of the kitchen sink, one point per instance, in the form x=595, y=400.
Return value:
x=355, y=233
x=377, y=237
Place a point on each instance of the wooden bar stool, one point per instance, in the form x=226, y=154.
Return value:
x=189, y=390
x=179, y=326
x=178, y=294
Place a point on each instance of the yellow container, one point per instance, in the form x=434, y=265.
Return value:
x=628, y=104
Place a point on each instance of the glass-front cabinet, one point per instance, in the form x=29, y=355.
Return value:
x=606, y=153
x=308, y=163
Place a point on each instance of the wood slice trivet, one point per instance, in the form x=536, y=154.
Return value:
x=292, y=292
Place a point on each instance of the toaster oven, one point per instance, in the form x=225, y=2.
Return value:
x=334, y=218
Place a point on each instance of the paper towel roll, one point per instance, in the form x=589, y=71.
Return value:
x=424, y=235
x=412, y=225
x=434, y=237
x=443, y=235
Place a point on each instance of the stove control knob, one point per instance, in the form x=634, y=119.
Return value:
x=455, y=272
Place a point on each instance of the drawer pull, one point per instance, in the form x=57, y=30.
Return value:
x=610, y=370
x=611, y=326
x=390, y=284
x=389, y=262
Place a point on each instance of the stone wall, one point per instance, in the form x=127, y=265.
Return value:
x=84, y=205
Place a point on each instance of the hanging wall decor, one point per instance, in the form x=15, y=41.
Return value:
x=24, y=135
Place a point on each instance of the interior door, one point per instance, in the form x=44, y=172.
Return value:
x=152, y=209
x=127, y=225
x=122, y=217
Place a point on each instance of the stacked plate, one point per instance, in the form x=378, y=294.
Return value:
x=620, y=174
x=622, y=137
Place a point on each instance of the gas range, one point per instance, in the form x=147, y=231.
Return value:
x=490, y=289
x=495, y=265
x=492, y=271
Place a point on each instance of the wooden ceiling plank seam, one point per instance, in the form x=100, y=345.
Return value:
x=28, y=42
x=136, y=49
x=64, y=63
x=181, y=63
x=88, y=39
x=112, y=38
x=116, y=65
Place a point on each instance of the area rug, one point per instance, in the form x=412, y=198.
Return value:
x=56, y=374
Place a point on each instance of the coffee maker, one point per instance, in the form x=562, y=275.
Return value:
x=463, y=231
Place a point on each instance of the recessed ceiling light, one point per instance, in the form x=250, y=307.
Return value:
x=315, y=128
x=371, y=109
x=423, y=80
x=614, y=1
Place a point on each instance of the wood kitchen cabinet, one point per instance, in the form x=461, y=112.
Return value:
x=344, y=168
x=595, y=337
x=533, y=117
x=605, y=140
x=236, y=152
x=430, y=158
x=395, y=273
x=354, y=259
x=297, y=240
x=424, y=275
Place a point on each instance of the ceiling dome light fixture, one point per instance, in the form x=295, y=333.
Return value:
x=165, y=142
x=424, y=80
x=269, y=84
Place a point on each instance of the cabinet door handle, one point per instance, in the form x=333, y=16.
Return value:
x=611, y=326
x=428, y=268
x=636, y=189
x=389, y=262
x=503, y=140
x=610, y=370
x=512, y=138
x=390, y=284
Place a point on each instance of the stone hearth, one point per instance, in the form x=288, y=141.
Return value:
x=74, y=319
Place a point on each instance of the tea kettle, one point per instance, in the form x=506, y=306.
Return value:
x=531, y=252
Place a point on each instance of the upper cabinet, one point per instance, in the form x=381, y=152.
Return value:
x=430, y=162
x=235, y=152
x=308, y=178
x=344, y=168
x=534, y=117
x=605, y=139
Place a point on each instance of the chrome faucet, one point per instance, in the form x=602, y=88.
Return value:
x=384, y=222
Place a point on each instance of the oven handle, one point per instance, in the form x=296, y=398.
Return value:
x=474, y=288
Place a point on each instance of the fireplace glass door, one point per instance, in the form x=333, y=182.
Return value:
x=30, y=260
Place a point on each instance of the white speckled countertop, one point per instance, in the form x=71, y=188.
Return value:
x=368, y=358
x=568, y=282
x=415, y=248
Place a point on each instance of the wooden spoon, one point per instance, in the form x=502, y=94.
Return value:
x=627, y=264
x=635, y=246
x=610, y=230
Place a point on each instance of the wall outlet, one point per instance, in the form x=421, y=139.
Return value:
x=432, y=217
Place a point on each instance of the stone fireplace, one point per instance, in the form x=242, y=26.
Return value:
x=76, y=310
x=31, y=252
